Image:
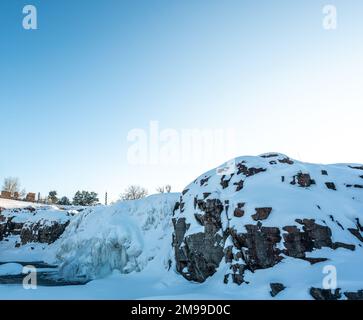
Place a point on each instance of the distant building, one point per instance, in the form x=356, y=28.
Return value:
x=30, y=197
x=6, y=195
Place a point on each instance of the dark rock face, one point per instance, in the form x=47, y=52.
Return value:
x=238, y=213
x=313, y=236
x=239, y=185
x=41, y=231
x=303, y=180
x=258, y=246
x=354, y=295
x=270, y=155
x=330, y=185
x=287, y=161
x=297, y=243
x=276, y=288
x=225, y=182
x=325, y=294
x=261, y=214
x=248, y=172
x=356, y=167
x=198, y=255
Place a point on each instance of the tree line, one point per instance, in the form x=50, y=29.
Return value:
x=81, y=198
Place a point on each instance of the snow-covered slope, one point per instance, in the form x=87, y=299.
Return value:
x=15, y=204
x=125, y=237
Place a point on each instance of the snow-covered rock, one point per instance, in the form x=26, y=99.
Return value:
x=254, y=213
x=41, y=224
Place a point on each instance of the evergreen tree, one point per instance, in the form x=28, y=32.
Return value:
x=52, y=197
x=64, y=201
x=85, y=198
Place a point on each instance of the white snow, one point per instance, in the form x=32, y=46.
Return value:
x=10, y=269
x=15, y=204
x=125, y=249
x=125, y=236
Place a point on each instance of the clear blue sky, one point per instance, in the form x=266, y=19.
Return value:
x=94, y=70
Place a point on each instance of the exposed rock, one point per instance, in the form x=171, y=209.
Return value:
x=276, y=288
x=320, y=235
x=325, y=294
x=260, y=243
x=176, y=207
x=225, y=183
x=356, y=233
x=239, y=185
x=324, y=172
x=262, y=213
x=297, y=243
x=198, y=255
x=354, y=295
x=303, y=179
x=41, y=232
x=204, y=181
x=248, y=172
x=337, y=245
x=270, y=155
x=286, y=160
x=356, y=167
x=330, y=185
x=238, y=213
x=314, y=260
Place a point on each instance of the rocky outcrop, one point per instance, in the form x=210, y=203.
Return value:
x=325, y=294
x=42, y=232
x=199, y=254
x=220, y=226
x=354, y=295
x=261, y=214
x=303, y=180
x=276, y=288
x=29, y=227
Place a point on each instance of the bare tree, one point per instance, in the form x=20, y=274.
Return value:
x=134, y=192
x=163, y=189
x=160, y=189
x=11, y=185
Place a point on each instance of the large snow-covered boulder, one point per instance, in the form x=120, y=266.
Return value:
x=252, y=213
x=124, y=236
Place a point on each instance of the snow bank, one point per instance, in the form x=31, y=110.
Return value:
x=15, y=204
x=125, y=237
x=10, y=269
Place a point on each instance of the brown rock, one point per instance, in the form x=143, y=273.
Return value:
x=238, y=213
x=262, y=213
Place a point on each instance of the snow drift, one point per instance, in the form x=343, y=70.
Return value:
x=124, y=237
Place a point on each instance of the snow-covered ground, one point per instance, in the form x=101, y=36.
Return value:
x=15, y=204
x=125, y=250
x=154, y=282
